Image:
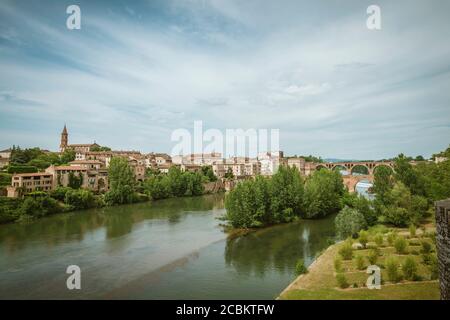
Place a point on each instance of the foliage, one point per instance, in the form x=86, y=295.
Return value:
x=372, y=257
x=229, y=174
x=121, y=182
x=400, y=245
x=434, y=267
x=426, y=246
x=391, y=238
x=392, y=269
x=265, y=201
x=342, y=281
x=363, y=238
x=174, y=184
x=379, y=239
x=346, y=251
x=338, y=264
x=208, y=173
x=75, y=182
x=39, y=205
x=60, y=193
x=349, y=222
x=80, y=199
x=383, y=183
x=300, y=267
x=412, y=230
x=22, y=169
x=322, y=194
x=409, y=268
x=5, y=179
x=360, y=262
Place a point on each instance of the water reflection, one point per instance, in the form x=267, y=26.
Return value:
x=278, y=248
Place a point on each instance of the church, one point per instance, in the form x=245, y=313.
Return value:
x=64, y=145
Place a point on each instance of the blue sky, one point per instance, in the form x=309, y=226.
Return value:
x=137, y=70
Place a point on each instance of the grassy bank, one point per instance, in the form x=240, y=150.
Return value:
x=320, y=283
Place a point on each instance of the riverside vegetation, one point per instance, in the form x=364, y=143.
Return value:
x=123, y=190
x=400, y=238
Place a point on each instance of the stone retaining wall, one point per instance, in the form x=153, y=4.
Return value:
x=443, y=246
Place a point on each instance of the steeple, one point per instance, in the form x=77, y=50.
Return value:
x=64, y=139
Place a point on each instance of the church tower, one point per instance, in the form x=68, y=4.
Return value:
x=64, y=139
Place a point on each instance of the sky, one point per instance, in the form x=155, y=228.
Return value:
x=138, y=70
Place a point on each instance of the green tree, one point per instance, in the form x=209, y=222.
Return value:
x=121, y=182
x=322, y=194
x=383, y=183
x=349, y=222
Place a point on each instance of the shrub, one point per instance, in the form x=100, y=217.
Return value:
x=426, y=246
x=392, y=271
x=434, y=267
x=412, y=230
x=414, y=243
x=349, y=222
x=363, y=237
x=342, y=281
x=80, y=199
x=372, y=257
x=360, y=262
x=346, y=251
x=409, y=268
x=391, y=238
x=300, y=267
x=400, y=245
x=338, y=264
x=39, y=206
x=426, y=258
x=379, y=240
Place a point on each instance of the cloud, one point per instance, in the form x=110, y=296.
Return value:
x=312, y=70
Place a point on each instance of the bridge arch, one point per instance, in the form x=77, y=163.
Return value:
x=383, y=165
x=360, y=169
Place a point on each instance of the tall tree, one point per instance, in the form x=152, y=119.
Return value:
x=122, y=182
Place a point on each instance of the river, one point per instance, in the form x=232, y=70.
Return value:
x=168, y=249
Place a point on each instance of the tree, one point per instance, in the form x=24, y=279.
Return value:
x=75, y=182
x=121, y=182
x=322, y=195
x=229, y=174
x=208, y=172
x=383, y=183
x=405, y=173
x=100, y=148
x=80, y=199
x=349, y=222
x=67, y=156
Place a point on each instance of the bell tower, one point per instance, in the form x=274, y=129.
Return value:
x=64, y=140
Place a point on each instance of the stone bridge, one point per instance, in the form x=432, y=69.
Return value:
x=351, y=181
x=350, y=165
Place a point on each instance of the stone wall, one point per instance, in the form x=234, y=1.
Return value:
x=443, y=246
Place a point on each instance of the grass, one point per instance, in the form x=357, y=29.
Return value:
x=321, y=283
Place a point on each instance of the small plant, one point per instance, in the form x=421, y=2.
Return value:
x=338, y=264
x=409, y=268
x=414, y=243
x=392, y=266
x=300, y=267
x=379, y=240
x=391, y=238
x=400, y=245
x=426, y=246
x=360, y=262
x=434, y=267
x=355, y=285
x=372, y=256
x=346, y=251
x=412, y=230
x=363, y=237
x=426, y=258
x=342, y=281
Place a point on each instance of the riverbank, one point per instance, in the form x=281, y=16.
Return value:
x=320, y=282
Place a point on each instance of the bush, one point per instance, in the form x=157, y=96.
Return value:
x=300, y=267
x=39, y=206
x=346, y=251
x=400, y=245
x=434, y=267
x=80, y=199
x=349, y=222
x=60, y=193
x=426, y=258
x=338, y=264
x=391, y=238
x=426, y=246
x=379, y=240
x=372, y=257
x=412, y=230
x=392, y=271
x=363, y=237
x=22, y=169
x=342, y=281
x=360, y=262
x=409, y=268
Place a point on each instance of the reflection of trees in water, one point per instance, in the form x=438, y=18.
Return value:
x=278, y=247
x=117, y=220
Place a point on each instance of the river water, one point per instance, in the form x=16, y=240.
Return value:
x=168, y=249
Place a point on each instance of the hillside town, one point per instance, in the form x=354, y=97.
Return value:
x=91, y=161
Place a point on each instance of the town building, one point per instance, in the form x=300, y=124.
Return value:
x=64, y=143
x=23, y=183
x=270, y=161
x=5, y=155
